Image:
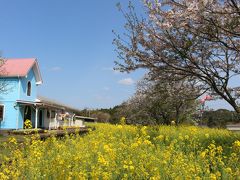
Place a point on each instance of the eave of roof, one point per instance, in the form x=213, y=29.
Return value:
x=40, y=81
x=49, y=103
x=84, y=117
x=52, y=103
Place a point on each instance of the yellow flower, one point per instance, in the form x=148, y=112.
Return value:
x=110, y=152
x=203, y=154
x=3, y=176
x=213, y=176
x=218, y=174
x=236, y=143
x=181, y=138
x=131, y=167
x=147, y=142
x=207, y=135
x=236, y=146
x=228, y=170
x=27, y=124
x=160, y=137
x=12, y=140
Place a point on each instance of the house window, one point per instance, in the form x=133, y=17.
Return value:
x=1, y=112
x=29, y=88
x=53, y=114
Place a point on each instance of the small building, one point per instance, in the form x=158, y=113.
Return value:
x=233, y=126
x=20, y=102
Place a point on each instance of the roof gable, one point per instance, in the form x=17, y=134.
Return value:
x=21, y=68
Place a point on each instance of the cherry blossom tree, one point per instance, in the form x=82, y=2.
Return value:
x=161, y=101
x=3, y=83
x=198, y=40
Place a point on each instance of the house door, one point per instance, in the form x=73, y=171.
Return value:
x=27, y=114
x=40, y=119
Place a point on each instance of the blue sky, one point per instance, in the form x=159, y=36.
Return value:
x=72, y=41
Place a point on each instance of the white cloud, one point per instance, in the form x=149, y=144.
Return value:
x=55, y=68
x=106, y=88
x=126, y=81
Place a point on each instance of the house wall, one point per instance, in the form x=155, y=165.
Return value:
x=16, y=89
x=9, y=115
x=23, y=88
x=8, y=99
x=56, y=122
x=50, y=123
x=11, y=86
x=78, y=123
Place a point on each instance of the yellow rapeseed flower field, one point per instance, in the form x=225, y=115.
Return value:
x=126, y=152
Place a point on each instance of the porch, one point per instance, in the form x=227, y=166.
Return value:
x=46, y=115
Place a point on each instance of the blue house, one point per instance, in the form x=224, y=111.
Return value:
x=19, y=101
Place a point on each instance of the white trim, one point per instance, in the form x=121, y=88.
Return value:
x=37, y=72
x=72, y=119
x=55, y=121
x=36, y=118
x=19, y=84
x=18, y=108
